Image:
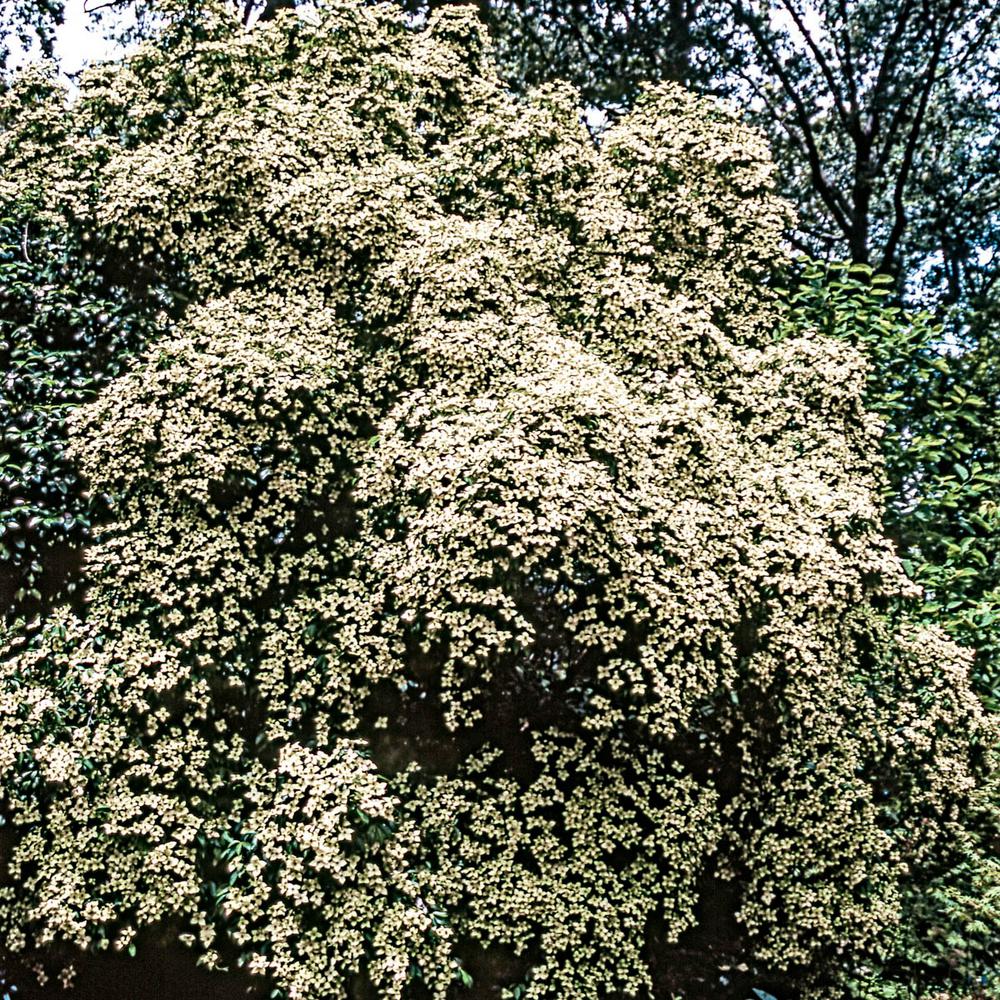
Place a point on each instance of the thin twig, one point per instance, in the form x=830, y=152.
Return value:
x=88, y=9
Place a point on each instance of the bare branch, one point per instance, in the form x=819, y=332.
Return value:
x=92, y=8
x=822, y=63
x=909, y=154
x=885, y=67
x=902, y=109
x=833, y=198
x=846, y=59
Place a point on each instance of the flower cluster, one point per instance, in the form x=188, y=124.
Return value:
x=481, y=571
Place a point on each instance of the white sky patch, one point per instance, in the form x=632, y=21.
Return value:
x=79, y=40
x=811, y=20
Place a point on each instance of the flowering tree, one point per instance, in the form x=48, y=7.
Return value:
x=491, y=599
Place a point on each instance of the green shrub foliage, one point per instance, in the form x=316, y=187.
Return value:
x=487, y=591
x=71, y=315
x=941, y=512
x=942, y=480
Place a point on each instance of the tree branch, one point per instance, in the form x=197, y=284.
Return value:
x=834, y=199
x=822, y=63
x=847, y=60
x=902, y=177
x=884, y=68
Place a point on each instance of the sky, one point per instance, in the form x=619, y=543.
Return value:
x=76, y=43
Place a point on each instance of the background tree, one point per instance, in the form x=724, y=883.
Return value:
x=494, y=595
x=861, y=101
x=25, y=23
